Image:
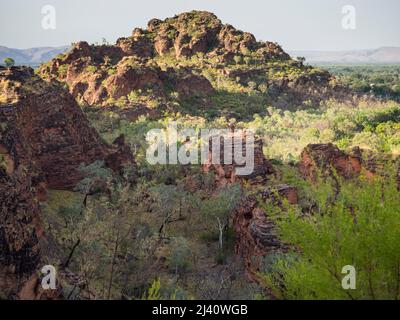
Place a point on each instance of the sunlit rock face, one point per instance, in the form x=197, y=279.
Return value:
x=325, y=159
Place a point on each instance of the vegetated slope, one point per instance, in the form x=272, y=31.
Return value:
x=190, y=63
x=44, y=139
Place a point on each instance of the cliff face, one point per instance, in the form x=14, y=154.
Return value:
x=44, y=138
x=19, y=229
x=255, y=231
x=54, y=135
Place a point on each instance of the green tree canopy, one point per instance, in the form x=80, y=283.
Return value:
x=9, y=62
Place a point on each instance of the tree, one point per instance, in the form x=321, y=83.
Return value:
x=238, y=59
x=301, y=59
x=96, y=232
x=97, y=178
x=179, y=256
x=170, y=202
x=221, y=206
x=359, y=229
x=9, y=62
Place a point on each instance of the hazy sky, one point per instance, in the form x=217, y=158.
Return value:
x=295, y=24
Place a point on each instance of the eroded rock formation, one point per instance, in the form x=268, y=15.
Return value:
x=327, y=159
x=225, y=171
x=256, y=232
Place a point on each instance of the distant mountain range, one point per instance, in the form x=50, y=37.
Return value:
x=374, y=56
x=35, y=56
x=32, y=56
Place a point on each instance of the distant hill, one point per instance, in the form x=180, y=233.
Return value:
x=380, y=55
x=35, y=56
x=32, y=56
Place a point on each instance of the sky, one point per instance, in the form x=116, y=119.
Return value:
x=295, y=24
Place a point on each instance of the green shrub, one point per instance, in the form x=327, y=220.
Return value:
x=360, y=228
x=238, y=59
x=62, y=70
x=91, y=69
x=180, y=255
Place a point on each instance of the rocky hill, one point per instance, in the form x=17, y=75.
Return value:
x=189, y=63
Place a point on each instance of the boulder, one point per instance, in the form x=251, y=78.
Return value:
x=162, y=44
x=131, y=77
x=182, y=45
x=189, y=85
x=137, y=45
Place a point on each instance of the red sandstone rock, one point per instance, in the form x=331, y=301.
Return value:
x=256, y=236
x=193, y=85
x=226, y=173
x=162, y=44
x=99, y=74
x=325, y=159
x=130, y=78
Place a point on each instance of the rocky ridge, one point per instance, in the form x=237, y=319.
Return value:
x=181, y=58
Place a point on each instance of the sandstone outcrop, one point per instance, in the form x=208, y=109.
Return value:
x=20, y=229
x=226, y=172
x=327, y=159
x=53, y=133
x=103, y=84
x=188, y=84
x=255, y=231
